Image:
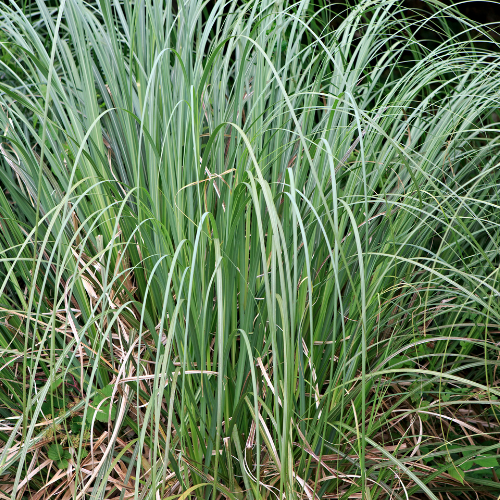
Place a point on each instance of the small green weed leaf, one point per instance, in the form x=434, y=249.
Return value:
x=103, y=413
x=56, y=452
x=59, y=455
x=486, y=461
x=467, y=465
x=55, y=385
x=458, y=474
x=400, y=362
x=423, y=350
x=76, y=424
x=63, y=464
x=423, y=406
x=58, y=403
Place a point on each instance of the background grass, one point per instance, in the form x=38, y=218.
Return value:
x=248, y=251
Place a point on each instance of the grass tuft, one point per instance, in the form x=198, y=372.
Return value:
x=248, y=250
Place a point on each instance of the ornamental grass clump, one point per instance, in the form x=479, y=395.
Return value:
x=248, y=250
